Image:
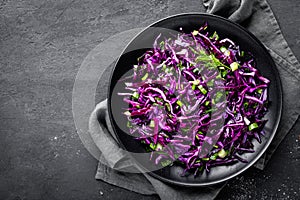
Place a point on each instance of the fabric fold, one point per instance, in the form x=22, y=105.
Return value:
x=114, y=161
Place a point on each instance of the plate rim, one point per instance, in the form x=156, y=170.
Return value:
x=278, y=119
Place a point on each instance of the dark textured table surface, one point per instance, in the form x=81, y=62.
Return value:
x=42, y=44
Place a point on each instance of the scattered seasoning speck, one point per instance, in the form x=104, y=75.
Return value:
x=101, y=193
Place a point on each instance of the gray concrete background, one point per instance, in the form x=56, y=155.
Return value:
x=42, y=44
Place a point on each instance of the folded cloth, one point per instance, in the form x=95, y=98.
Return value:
x=113, y=162
x=257, y=17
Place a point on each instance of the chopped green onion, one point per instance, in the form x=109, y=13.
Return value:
x=253, y=126
x=193, y=87
x=215, y=36
x=213, y=157
x=152, y=124
x=224, y=73
x=161, y=44
x=164, y=67
x=195, y=70
x=195, y=32
x=135, y=95
x=168, y=106
x=152, y=146
x=206, y=103
x=234, y=66
x=127, y=113
x=213, y=101
x=259, y=91
x=158, y=147
x=202, y=89
x=179, y=103
x=227, y=53
x=145, y=77
x=222, y=153
x=223, y=49
x=195, y=82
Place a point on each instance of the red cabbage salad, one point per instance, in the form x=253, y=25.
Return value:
x=196, y=100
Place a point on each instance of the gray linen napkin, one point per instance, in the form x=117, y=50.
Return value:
x=251, y=14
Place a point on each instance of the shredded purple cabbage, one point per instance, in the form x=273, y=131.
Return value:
x=174, y=98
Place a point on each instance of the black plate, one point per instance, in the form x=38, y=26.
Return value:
x=225, y=28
